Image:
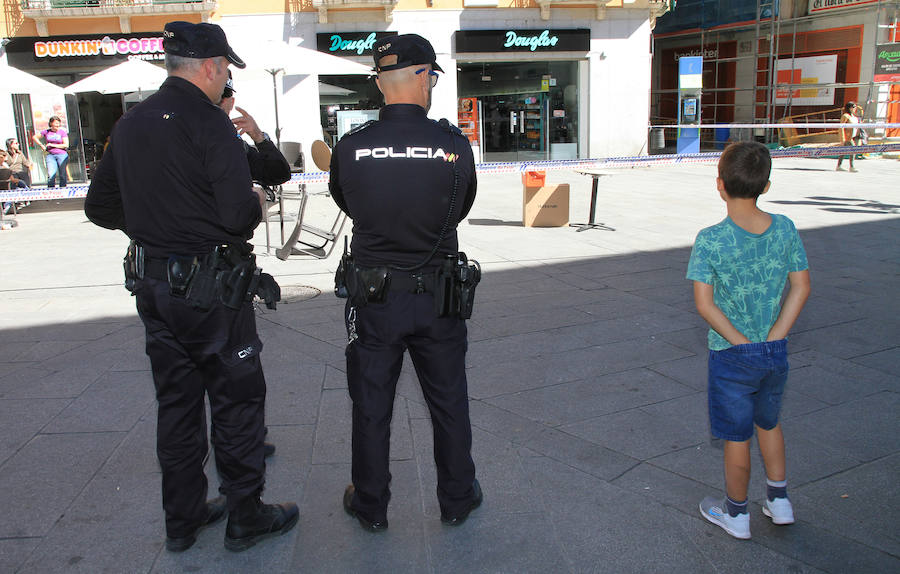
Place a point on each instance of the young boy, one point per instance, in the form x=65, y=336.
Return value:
x=739, y=267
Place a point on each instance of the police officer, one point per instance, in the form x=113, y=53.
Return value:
x=176, y=181
x=268, y=165
x=405, y=181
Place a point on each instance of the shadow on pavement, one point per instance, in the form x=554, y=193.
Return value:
x=587, y=392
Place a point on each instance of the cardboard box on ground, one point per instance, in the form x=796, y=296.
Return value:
x=544, y=205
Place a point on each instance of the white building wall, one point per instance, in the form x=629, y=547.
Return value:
x=615, y=99
x=7, y=120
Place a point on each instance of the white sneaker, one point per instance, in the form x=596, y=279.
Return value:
x=780, y=510
x=839, y=168
x=853, y=170
x=713, y=509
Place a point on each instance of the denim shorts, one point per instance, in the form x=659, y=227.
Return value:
x=745, y=387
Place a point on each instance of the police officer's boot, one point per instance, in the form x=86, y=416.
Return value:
x=253, y=521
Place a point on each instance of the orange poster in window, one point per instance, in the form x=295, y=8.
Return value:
x=467, y=112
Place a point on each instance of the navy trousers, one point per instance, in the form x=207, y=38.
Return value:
x=195, y=354
x=437, y=347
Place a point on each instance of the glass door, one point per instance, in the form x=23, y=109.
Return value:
x=515, y=127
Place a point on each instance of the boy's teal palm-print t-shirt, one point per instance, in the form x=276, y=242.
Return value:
x=748, y=272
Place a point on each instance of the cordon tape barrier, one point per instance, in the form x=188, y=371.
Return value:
x=80, y=190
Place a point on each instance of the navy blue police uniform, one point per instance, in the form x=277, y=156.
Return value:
x=177, y=182
x=405, y=181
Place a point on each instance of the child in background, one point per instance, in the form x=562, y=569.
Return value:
x=739, y=267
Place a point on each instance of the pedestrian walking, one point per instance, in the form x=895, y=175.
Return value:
x=175, y=179
x=848, y=135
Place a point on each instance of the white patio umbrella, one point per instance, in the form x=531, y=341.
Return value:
x=15, y=81
x=274, y=56
x=129, y=76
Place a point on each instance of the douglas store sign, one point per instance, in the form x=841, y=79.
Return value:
x=349, y=43
x=578, y=40
x=79, y=50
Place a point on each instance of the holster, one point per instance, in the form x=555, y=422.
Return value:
x=455, y=283
x=133, y=264
x=361, y=285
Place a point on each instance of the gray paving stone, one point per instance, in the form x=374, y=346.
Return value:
x=749, y=556
x=334, y=378
x=509, y=376
x=556, y=310
x=831, y=386
x=596, y=525
x=68, y=383
x=690, y=371
x=504, y=424
x=12, y=384
x=122, y=514
x=36, y=492
x=887, y=361
x=525, y=345
x=615, y=304
x=580, y=454
x=579, y=400
x=326, y=532
x=639, y=434
x=495, y=544
x=860, y=503
x=498, y=467
x=624, y=328
x=14, y=551
x=292, y=391
x=112, y=403
x=538, y=319
x=20, y=420
x=613, y=357
x=848, y=340
x=849, y=427
x=333, y=431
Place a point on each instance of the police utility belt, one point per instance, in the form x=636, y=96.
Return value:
x=228, y=274
x=452, y=284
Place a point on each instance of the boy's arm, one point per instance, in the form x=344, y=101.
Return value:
x=793, y=304
x=703, y=299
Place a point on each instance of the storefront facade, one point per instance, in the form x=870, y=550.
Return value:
x=524, y=84
x=804, y=66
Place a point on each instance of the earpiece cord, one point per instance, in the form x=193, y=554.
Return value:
x=446, y=225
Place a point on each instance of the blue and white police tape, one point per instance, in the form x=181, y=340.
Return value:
x=625, y=162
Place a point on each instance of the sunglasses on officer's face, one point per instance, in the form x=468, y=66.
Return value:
x=432, y=75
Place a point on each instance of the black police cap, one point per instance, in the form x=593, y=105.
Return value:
x=409, y=49
x=198, y=41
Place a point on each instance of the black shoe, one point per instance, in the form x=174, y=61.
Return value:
x=215, y=511
x=366, y=522
x=268, y=449
x=458, y=519
x=253, y=521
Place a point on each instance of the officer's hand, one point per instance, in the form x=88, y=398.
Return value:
x=261, y=194
x=245, y=124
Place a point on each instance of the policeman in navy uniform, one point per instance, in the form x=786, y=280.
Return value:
x=175, y=179
x=406, y=181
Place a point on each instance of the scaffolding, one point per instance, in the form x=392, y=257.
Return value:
x=775, y=37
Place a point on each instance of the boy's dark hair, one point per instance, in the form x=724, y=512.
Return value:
x=848, y=107
x=744, y=169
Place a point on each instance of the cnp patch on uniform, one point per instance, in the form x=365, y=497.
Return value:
x=243, y=352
